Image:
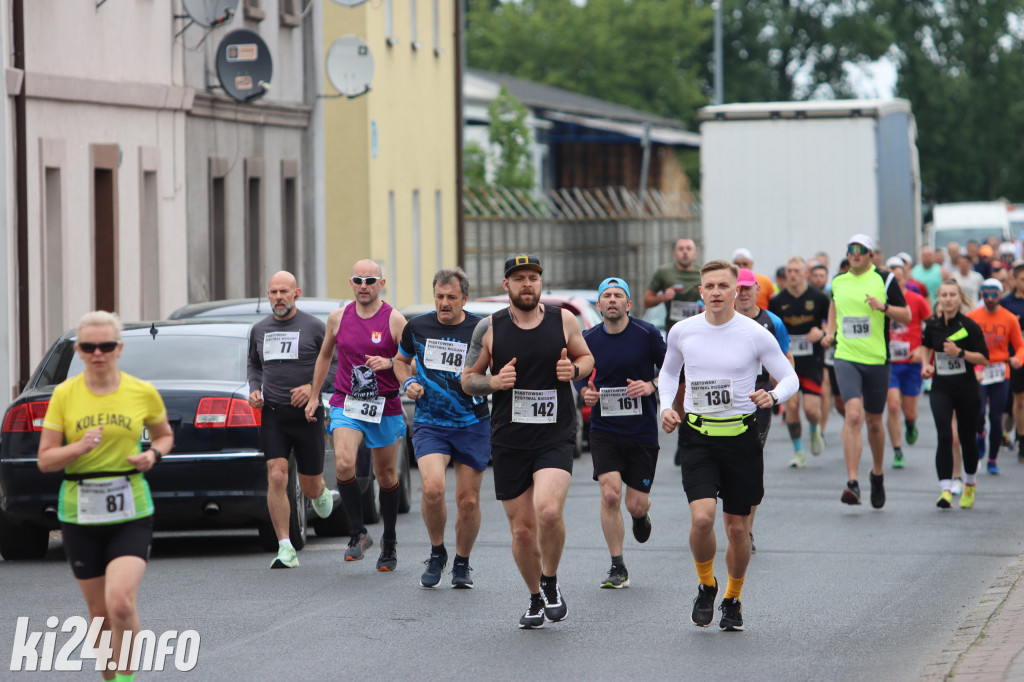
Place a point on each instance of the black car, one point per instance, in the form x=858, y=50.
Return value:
x=214, y=478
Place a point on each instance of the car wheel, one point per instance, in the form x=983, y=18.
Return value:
x=371, y=500
x=268, y=537
x=297, y=504
x=404, y=480
x=22, y=541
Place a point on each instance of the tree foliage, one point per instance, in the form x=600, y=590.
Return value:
x=509, y=132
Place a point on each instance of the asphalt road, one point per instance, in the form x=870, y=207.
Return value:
x=834, y=592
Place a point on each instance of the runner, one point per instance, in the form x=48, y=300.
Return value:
x=905, y=378
x=803, y=308
x=623, y=419
x=448, y=424
x=743, y=259
x=969, y=279
x=283, y=348
x=365, y=404
x=863, y=301
x=1002, y=330
x=533, y=351
x=1014, y=302
x=93, y=431
x=723, y=353
x=952, y=345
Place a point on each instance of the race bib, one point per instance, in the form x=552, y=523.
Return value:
x=445, y=356
x=105, y=501
x=364, y=410
x=857, y=327
x=680, y=310
x=534, y=407
x=712, y=395
x=615, y=403
x=280, y=346
x=899, y=350
x=800, y=347
x=830, y=356
x=947, y=365
x=993, y=374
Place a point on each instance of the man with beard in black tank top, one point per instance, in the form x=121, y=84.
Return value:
x=533, y=351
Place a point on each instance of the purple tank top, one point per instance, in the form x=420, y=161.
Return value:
x=356, y=339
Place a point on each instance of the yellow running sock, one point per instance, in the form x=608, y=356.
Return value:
x=706, y=571
x=733, y=588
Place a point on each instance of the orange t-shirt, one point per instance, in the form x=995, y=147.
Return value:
x=765, y=290
x=1002, y=330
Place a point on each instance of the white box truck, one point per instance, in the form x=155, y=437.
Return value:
x=969, y=220
x=795, y=178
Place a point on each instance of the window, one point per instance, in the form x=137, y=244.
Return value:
x=105, y=161
x=392, y=248
x=414, y=34
x=53, y=254
x=290, y=232
x=389, y=22
x=149, y=246
x=438, y=230
x=437, y=28
x=290, y=12
x=218, y=229
x=417, y=255
x=254, y=227
x=253, y=9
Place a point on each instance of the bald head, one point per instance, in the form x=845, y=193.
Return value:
x=367, y=281
x=367, y=268
x=283, y=291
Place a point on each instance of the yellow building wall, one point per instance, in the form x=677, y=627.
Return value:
x=412, y=106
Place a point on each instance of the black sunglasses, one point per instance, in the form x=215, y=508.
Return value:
x=369, y=280
x=106, y=346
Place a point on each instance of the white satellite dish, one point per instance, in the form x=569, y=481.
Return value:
x=350, y=66
x=210, y=12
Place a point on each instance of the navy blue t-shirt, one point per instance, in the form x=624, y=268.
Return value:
x=634, y=353
x=440, y=352
x=1014, y=305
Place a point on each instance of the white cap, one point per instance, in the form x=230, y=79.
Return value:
x=742, y=253
x=905, y=257
x=1006, y=247
x=992, y=283
x=895, y=262
x=863, y=240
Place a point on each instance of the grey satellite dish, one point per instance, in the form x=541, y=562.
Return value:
x=210, y=12
x=350, y=66
x=349, y=3
x=244, y=65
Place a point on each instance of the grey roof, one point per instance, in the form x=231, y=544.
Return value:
x=546, y=97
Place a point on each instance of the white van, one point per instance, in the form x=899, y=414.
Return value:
x=966, y=221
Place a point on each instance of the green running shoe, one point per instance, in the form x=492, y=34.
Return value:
x=286, y=558
x=911, y=434
x=898, y=460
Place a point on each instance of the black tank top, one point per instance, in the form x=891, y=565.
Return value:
x=537, y=352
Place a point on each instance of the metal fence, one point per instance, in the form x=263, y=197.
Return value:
x=580, y=235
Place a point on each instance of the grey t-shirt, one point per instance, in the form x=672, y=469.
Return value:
x=282, y=354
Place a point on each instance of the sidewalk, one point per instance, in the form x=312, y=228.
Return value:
x=990, y=641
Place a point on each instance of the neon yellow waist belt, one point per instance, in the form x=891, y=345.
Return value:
x=726, y=426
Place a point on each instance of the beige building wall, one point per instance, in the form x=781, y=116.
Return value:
x=390, y=154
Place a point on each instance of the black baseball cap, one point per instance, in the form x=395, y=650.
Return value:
x=522, y=262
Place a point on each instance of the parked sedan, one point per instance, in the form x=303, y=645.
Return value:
x=214, y=478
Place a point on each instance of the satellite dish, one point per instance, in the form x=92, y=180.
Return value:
x=210, y=12
x=244, y=65
x=349, y=3
x=350, y=66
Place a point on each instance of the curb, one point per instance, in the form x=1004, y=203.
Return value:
x=990, y=637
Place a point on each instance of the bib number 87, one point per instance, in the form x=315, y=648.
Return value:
x=115, y=503
x=544, y=409
x=718, y=397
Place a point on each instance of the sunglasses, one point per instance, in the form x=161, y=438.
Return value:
x=990, y=293
x=106, y=346
x=856, y=250
x=369, y=280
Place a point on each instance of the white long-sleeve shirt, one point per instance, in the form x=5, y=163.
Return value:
x=722, y=362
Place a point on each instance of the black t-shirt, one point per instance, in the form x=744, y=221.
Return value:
x=953, y=374
x=800, y=314
x=282, y=354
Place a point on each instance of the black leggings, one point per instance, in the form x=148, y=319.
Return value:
x=994, y=395
x=967, y=406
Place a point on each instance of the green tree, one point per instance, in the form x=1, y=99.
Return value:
x=474, y=165
x=508, y=130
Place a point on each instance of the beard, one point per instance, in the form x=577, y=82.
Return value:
x=288, y=308
x=518, y=302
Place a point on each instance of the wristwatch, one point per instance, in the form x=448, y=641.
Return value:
x=775, y=398
x=159, y=455
x=961, y=353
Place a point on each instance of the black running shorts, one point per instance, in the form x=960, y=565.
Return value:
x=90, y=548
x=1016, y=380
x=514, y=468
x=635, y=461
x=729, y=467
x=285, y=428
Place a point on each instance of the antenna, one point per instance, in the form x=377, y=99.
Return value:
x=210, y=13
x=350, y=66
x=244, y=66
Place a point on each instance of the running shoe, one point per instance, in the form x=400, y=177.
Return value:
x=534, y=616
x=967, y=499
x=642, y=528
x=753, y=547
x=957, y=487
x=817, y=443
x=993, y=467
x=732, y=615
x=799, y=460
x=618, y=577
x=852, y=493
x=945, y=500
x=356, y=545
x=554, y=603
x=388, y=559
x=286, y=558
x=898, y=460
x=704, y=605
x=324, y=505
x=981, y=444
x=877, y=491
x=460, y=576
x=911, y=434
x=435, y=566
x=1007, y=441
